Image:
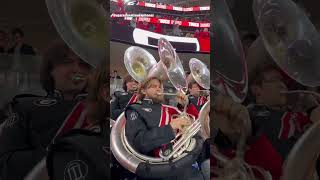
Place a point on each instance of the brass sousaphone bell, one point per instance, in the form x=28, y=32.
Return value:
x=82, y=24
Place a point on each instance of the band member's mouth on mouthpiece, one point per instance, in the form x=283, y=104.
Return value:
x=78, y=77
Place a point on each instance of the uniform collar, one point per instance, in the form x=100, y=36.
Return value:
x=195, y=97
x=147, y=100
x=59, y=95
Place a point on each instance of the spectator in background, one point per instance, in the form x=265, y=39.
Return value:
x=197, y=34
x=143, y=25
x=19, y=45
x=3, y=41
x=121, y=6
x=158, y=28
x=115, y=75
x=205, y=33
x=176, y=29
x=133, y=23
x=19, y=48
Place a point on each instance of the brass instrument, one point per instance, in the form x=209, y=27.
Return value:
x=199, y=73
x=233, y=82
x=138, y=62
x=83, y=25
x=293, y=43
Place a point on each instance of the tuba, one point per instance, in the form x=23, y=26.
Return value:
x=199, y=74
x=82, y=24
x=293, y=43
x=232, y=82
x=170, y=64
x=138, y=62
x=187, y=146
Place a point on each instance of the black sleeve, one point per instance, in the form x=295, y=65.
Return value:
x=115, y=108
x=13, y=134
x=17, y=164
x=17, y=155
x=142, y=138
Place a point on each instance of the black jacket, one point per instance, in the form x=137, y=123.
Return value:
x=142, y=126
x=26, y=133
x=119, y=103
x=82, y=154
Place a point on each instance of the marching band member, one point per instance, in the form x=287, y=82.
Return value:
x=122, y=99
x=86, y=148
x=272, y=120
x=150, y=126
x=35, y=121
x=196, y=97
x=119, y=102
x=275, y=129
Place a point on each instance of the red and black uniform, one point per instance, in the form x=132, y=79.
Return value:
x=158, y=28
x=33, y=124
x=148, y=128
x=120, y=101
x=198, y=102
x=274, y=134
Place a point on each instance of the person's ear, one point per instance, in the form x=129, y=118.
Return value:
x=143, y=91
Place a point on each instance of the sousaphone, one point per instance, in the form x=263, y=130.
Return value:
x=230, y=78
x=293, y=43
x=200, y=73
x=83, y=25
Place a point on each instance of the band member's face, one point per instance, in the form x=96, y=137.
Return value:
x=269, y=91
x=132, y=85
x=71, y=76
x=152, y=91
x=195, y=90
